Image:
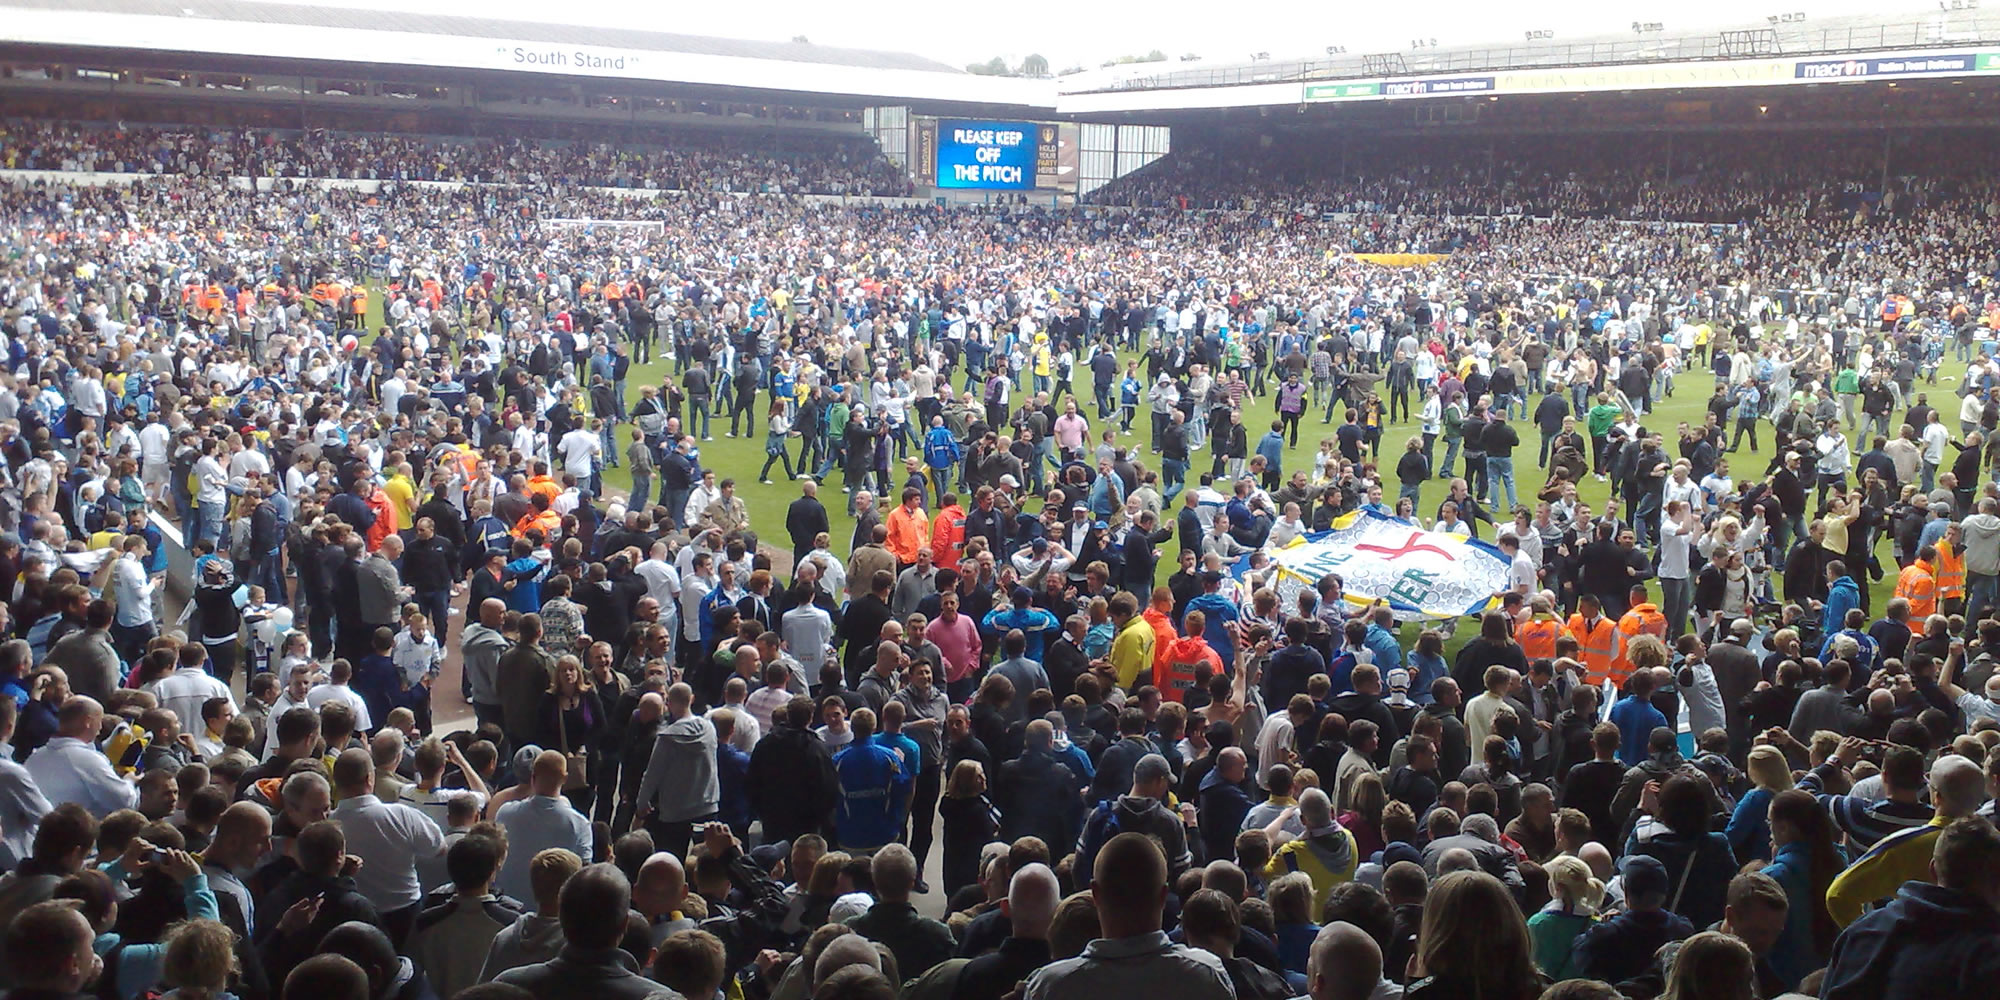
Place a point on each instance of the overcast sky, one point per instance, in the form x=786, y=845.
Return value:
x=1090, y=32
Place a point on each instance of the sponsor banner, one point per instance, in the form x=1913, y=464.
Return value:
x=1950, y=63
x=1419, y=574
x=1439, y=86
x=1342, y=91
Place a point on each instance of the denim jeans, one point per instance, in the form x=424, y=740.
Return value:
x=1981, y=592
x=698, y=409
x=1450, y=457
x=1500, y=471
x=1676, y=597
x=210, y=526
x=1173, y=473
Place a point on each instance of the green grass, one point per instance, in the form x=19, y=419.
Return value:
x=741, y=457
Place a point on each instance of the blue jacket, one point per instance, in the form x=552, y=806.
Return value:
x=1794, y=955
x=1840, y=597
x=871, y=795
x=1272, y=447
x=1217, y=611
x=1636, y=718
x=1032, y=622
x=1749, y=829
x=1928, y=942
x=941, y=449
x=732, y=772
x=1388, y=652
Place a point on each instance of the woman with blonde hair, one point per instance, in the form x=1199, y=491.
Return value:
x=1711, y=966
x=1749, y=829
x=970, y=821
x=200, y=958
x=573, y=719
x=1473, y=944
x=1575, y=895
x=1365, y=801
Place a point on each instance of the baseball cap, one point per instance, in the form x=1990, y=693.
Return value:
x=1151, y=767
x=1021, y=596
x=1009, y=480
x=1099, y=525
x=1644, y=876
x=1401, y=851
x=524, y=761
x=1211, y=576
x=1079, y=508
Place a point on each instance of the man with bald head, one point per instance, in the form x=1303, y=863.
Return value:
x=241, y=840
x=481, y=645
x=680, y=787
x=659, y=893
x=1223, y=802
x=878, y=687
x=538, y=822
x=391, y=836
x=1032, y=895
x=70, y=768
x=1346, y=964
x=635, y=743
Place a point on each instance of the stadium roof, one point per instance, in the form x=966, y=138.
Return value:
x=1774, y=36
x=251, y=12
x=307, y=31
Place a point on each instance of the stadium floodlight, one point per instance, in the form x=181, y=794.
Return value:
x=1260, y=57
x=1788, y=17
x=1647, y=27
x=1336, y=50
x=1540, y=34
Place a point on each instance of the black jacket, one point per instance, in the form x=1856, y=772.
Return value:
x=339, y=903
x=805, y=518
x=793, y=787
x=1037, y=796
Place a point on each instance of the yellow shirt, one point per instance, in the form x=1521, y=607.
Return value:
x=403, y=498
x=1132, y=650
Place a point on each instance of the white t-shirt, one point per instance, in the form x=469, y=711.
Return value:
x=579, y=448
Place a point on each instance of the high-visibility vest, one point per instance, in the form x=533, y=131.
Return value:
x=1916, y=585
x=1597, y=644
x=948, y=537
x=1164, y=637
x=1950, y=572
x=548, y=520
x=1175, y=677
x=1643, y=619
x=1537, y=637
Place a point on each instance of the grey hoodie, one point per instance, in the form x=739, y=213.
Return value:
x=1982, y=544
x=680, y=783
x=533, y=939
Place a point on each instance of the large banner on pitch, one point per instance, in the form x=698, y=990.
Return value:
x=1421, y=574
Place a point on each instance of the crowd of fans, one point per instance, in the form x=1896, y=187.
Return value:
x=1692, y=178
x=1689, y=751
x=684, y=160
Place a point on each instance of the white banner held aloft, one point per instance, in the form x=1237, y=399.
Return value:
x=1420, y=574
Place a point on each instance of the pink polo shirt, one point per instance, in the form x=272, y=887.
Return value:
x=958, y=640
x=1070, y=430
